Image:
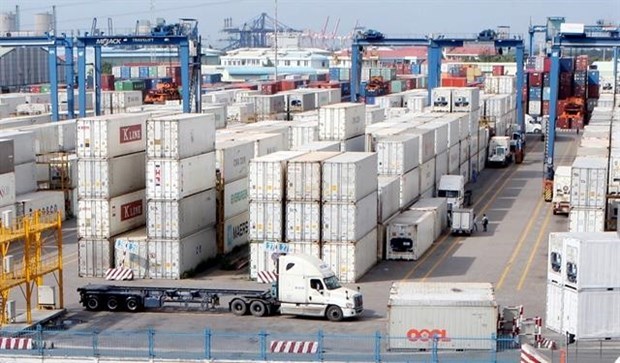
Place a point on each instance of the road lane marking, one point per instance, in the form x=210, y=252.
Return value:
x=541, y=234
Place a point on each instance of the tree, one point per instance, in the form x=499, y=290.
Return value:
x=106, y=68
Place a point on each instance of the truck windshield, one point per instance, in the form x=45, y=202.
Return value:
x=447, y=194
x=332, y=283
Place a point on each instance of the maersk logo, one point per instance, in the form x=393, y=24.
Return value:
x=238, y=231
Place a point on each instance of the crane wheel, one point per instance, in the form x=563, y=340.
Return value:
x=238, y=307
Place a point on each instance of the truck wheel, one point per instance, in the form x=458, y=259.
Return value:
x=334, y=313
x=92, y=303
x=112, y=303
x=238, y=307
x=258, y=308
x=132, y=304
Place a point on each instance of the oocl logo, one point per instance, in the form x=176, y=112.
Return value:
x=425, y=335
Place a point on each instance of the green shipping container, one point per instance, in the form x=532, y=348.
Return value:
x=153, y=72
x=118, y=85
x=388, y=74
x=397, y=86
x=45, y=88
x=133, y=85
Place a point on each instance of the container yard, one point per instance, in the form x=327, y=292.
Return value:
x=391, y=190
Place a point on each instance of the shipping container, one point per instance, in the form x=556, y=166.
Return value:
x=586, y=219
x=465, y=171
x=454, y=157
x=397, y=154
x=303, y=132
x=417, y=311
x=220, y=113
x=427, y=176
x=109, y=178
x=233, y=159
x=591, y=314
x=341, y=121
x=427, y=142
x=588, y=182
x=350, y=261
x=438, y=207
x=7, y=186
x=263, y=255
x=170, y=219
x=267, y=177
x=319, y=146
x=303, y=221
x=348, y=222
x=23, y=145
x=131, y=251
x=304, y=176
x=233, y=232
x=102, y=218
x=441, y=99
x=266, y=221
x=175, y=259
x=589, y=261
x=441, y=166
x=180, y=136
x=25, y=178
x=111, y=135
x=465, y=99
x=388, y=197
x=7, y=156
x=95, y=257
x=44, y=201
x=354, y=144
x=53, y=137
x=409, y=187
x=614, y=169
x=235, y=198
x=348, y=177
x=176, y=179
x=265, y=144
x=409, y=235
x=554, y=307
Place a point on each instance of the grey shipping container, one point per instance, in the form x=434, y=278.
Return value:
x=7, y=158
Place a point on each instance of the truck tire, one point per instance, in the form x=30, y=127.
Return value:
x=238, y=307
x=112, y=303
x=258, y=308
x=92, y=303
x=334, y=313
x=132, y=304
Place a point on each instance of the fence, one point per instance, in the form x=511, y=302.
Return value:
x=262, y=346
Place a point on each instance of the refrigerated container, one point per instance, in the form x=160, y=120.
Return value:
x=441, y=166
x=235, y=198
x=180, y=136
x=220, y=113
x=109, y=178
x=440, y=128
x=344, y=222
x=348, y=177
x=25, y=178
x=104, y=218
x=319, y=146
x=427, y=142
x=441, y=99
x=465, y=99
x=266, y=143
x=95, y=257
x=53, y=136
x=427, y=176
x=454, y=158
x=554, y=307
x=267, y=176
x=586, y=220
x=397, y=154
x=303, y=132
x=177, y=179
x=131, y=251
x=409, y=187
x=354, y=144
x=266, y=221
x=590, y=261
x=7, y=186
x=388, y=197
x=409, y=235
x=591, y=314
x=614, y=171
x=48, y=201
x=23, y=145
x=110, y=136
x=263, y=255
x=303, y=221
x=439, y=209
x=232, y=159
x=341, y=121
x=304, y=176
x=233, y=232
x=351, y=260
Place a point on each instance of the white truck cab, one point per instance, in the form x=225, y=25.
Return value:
x=561, y=190
x=307, y=286
x=452, y=187
x=532, y=125
x=499, y=151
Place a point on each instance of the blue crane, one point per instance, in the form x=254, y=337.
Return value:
x=553, y=26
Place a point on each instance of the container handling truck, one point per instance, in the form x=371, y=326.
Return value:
x=462, y=221
x=561, y=190
x=305, y=287
x=499, y=151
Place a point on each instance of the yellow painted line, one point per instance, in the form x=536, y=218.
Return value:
x=541, y=234
x=517, y=249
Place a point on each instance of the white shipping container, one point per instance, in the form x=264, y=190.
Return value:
x=409, y=187
x=232, y=159
x=263, y=255
x=319, y=146
x=43, y=201
x=53, y=136
x=23, y=145
x=418, y=311
x=109, y=178
x=220, y=113
x=465, y=171
x=464, y=147
x=341, y=121
x=267, y=178
x=439, y=209
x=237, y=112
x=95, y=257
x=440, y=129
x=441, y=99
x=111, y=135
x=454, y=158
x=441, y=166
x=172, y=259
x=354, y=144
x=303, y=221
x=176, y=179
x=101, y=218
x=554, y=307
x=350, y=261
x=170, y=219
x=586, y=220
x=266, y=221
x=427, y=175
x=409, y=235
x=265, y=144
x=235, y=231
x=131, y=251
x=235, y=198
x=591, y=314
x=614, y=171
x=374, y=115
x=453, y=129
x=590, y=262
x=7, y=186
x=397, y=154
x=180, y=136
x=347, y=222
x=349, y=177
x=463, y=125
x=25, y=178
x=465, y=99
x=388, y=197
x=304, y=176
x=303, y=132
x=427, y=143
x=269, y=104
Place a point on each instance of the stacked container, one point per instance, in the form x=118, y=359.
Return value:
x=181, y=195
x=398, y=155
x=349, y=214
x=7, y=178
x=344, y=122
x=588, y=194
x=111, y=181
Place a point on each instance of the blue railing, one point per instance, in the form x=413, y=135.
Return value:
x=223, y=345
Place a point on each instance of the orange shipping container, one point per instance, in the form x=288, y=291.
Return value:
x=454, y=81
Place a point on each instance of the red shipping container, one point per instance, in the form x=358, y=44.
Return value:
x=175, y=74
x=35, y=89
x=593, y=91
x=525, y=92
x=562, y=123
x=560, y=107
x=107, y=82
x=498, y=70
x=545, y=107
x=287, y=85
x=454, y=81
x=535, y=79
x=581, y=63
x=547, y=65
x=268, y=88
x=579, y=91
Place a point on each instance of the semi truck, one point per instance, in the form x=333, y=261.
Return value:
x=452, y=187
x=561, y=190
x=305, y=286
x=499, y=151
x=462, y=221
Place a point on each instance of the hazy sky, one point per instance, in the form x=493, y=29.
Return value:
x=393, y=17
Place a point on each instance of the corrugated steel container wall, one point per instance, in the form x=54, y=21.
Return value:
x=441, y=135
x=233, y=159
x=267, y=177
x=176, y=179
x=441, y=166
x=592, y=260
x=303, y=221
x=23, y=145
x=101, y=218
x=427, y=143
x=350, y=261
x=453, y=129
x=169, y=219
x=409, y=187
x=262, y=260
x=374, y=115
x=26, y=65
x=43, y=201
x=347, y=222
x=454, y=158
x=463, y=125
x=265, y=144
x=131, y=251
x=465, y=169
x=614, y=171
x=318, y=146
x=354, y=144
x=109, y=178
x=388, y=202
x=180, y=136
x=234, y=232
x=95, y=257
x=341, y=121
x=7, y=157
x=220, y=114
x=111, y=136
x=25, y=178
x=420, y=312
x=397, y=154
x=235, y=198
x=417, y=228
x=554, y=307
x=591, y=314
x=349, y=177
x=304, y=176
x=439, y=208
x=427, y=175
x=586, y=220
x=171, y=259
x=266, y=221
x=465, y=99
x=303, y=132
x=7, y=186
x=589, y=182
x=53, y=137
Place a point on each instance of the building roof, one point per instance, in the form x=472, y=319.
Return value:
x=391, y=53
x=471, y=50
x=253, y=71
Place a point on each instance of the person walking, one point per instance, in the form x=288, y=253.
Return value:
x=485, y=222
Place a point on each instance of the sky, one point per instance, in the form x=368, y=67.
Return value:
x=391, y=17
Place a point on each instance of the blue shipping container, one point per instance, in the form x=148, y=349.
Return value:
x=143, y=72
x=566, y=64
x=370, y=100
x=149, y=83
x=362, y=90
x=334, y=74
x=125, y=72
x=345, y=88
x=416, y=68
x=594, y=77
x=546, y=93
x=535, y=93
